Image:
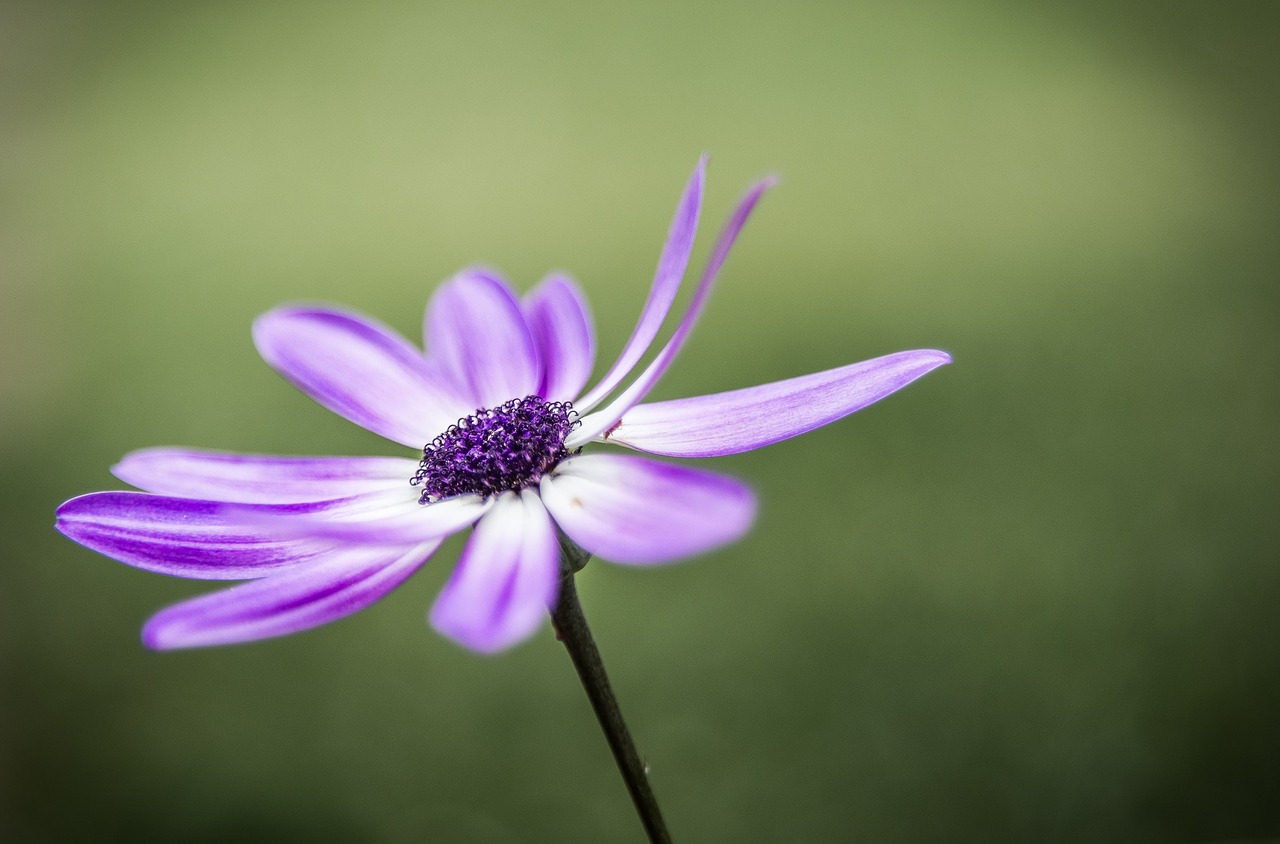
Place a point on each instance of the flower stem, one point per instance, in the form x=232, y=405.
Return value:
x=572, y=630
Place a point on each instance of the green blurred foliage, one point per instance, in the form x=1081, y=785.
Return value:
x=1033, y=597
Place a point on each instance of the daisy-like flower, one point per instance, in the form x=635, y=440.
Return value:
x=496, y=413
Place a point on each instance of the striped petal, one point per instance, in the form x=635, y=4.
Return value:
x=359, y=369
x=561, y=324
x=595, y=424
x=386, y=518
x=633, y=510
x=183, y=537
x=475, y=329
x=259, y=478
x=741, y=420
x=666, y=283
x=341, y=583
x=507, y=579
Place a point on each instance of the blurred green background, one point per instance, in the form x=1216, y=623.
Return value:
x=1031, y=598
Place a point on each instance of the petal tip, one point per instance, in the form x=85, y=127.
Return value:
x=486, y=642
x=770, y=181
x=158, y=634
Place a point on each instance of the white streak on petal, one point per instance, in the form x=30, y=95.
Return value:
x=359, y=369
x=475, y=329
x=741, y=420
x=391, y=517
x=633, y=510
x=259, y=478
x=595, y=424
x=342, y=583
x=507, y=579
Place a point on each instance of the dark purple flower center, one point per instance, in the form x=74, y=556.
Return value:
x=495, y=449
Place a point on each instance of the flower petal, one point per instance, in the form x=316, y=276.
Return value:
x=740, y=420
x=347, y=580
x=602, y=420
x=561, y=324
x=633, y=510
x=359, y=369
x=259, y=478
x=475, y=329
x=507, y=579
x=666, y=283
x=385, y=518
x=182, y=537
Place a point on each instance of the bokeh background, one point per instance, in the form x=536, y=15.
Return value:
x=1031, y=598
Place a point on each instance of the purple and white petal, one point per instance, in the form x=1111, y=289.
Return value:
x=507, y=579
x=558, y=316
x=259, y=478
x=347, y=580
x=475, y=329
x=390, y=517
x=666, y=283
x=741, y=420
x=359, y=369
x=183, y=537
x=633, y=510
x=595, y=424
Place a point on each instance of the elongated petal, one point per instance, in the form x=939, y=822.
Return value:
x=475, y=329
x=561, y=324
x=633, y=510
x=595, y=424
x=385, y=518
x=347, y=580
x=666, y=283
x=259, y=478
x=507, y=579
x=182, y=537
x=742, y=420
x=359, y=369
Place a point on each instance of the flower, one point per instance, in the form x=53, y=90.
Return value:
x=496, y=408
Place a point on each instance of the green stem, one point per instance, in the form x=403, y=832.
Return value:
x=571, y=627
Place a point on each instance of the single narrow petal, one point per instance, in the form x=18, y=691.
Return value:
x=633, y=510
x=359, y=369
x=259, y=478
x=561, y=324
x=740, y=420
x=347, y=580
x=475, y=329
x=182, y=537
x=666, y=283
x=507, y=579
x=597, y=423
x=386, y=518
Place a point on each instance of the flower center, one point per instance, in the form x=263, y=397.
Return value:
x=495, y=449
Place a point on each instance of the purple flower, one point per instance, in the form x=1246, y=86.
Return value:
x=496, y=410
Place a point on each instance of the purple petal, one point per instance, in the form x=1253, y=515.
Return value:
x=347, y=580
x=740, y=420
x=601, y=421
x=475, y=329
x=360, y=370
x=633, y=510
x=391, y=517
x=259, y=478
x=561, y=324
x=507, y=579
x=182, y=537
x=666, y=283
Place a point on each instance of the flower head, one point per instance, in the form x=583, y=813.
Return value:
x=495, y=406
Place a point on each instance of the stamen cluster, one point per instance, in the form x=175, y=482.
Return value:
x=495, y=449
